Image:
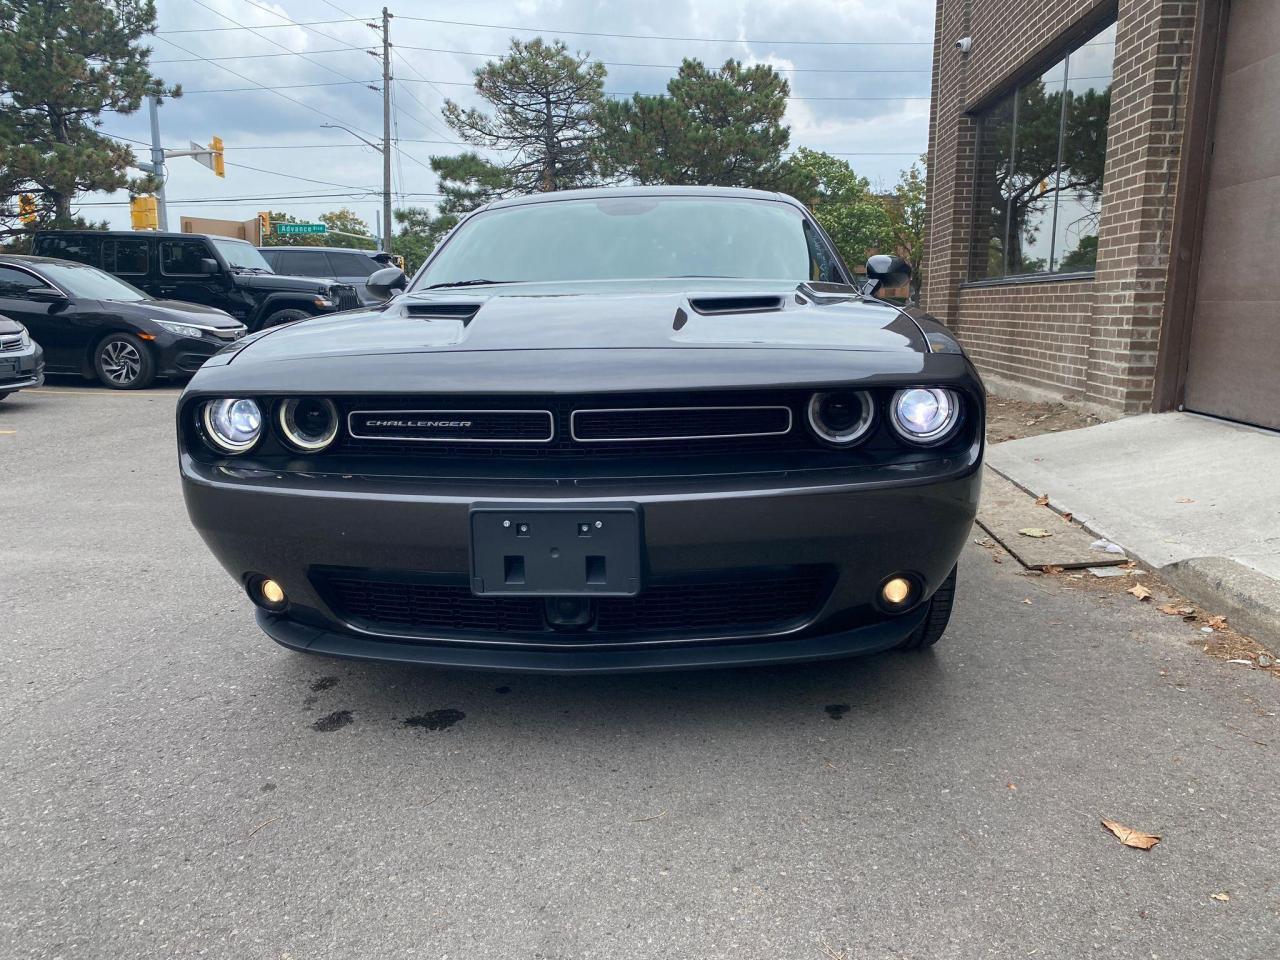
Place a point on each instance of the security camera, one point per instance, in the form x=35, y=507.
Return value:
x=964, y=43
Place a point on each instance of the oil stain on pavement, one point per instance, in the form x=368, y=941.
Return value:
x=334, y=721
x=836, y=710
x=435, y=720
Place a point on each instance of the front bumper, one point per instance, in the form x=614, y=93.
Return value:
x=861, y=525
x=183, y=356
x=21, y=368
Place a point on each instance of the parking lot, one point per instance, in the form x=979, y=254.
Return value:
x=176, y=784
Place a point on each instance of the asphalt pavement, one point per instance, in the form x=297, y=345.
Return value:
x=175, y=784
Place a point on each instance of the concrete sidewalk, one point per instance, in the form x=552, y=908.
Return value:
x=1194, y=498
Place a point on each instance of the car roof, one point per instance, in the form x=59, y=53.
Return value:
x=166, y=234
x=597, y=193
x=369, y=253
x=30, y=261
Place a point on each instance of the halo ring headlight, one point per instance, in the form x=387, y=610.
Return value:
x=925, y=415
x=232, y=425
x=308, y=424
x=841, y=417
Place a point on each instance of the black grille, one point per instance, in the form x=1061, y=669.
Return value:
x=476, y=426
x=563, y=447
x=346, y=297
x=698, y=605
x=679, y=423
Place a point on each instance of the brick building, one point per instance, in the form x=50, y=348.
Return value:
x=1105, y=199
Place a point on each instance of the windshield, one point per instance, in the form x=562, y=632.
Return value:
x=634, y=238
x=90, y=283
x=237, y=253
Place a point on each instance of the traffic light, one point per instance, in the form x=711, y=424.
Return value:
x=264, y=226
x=144, y=213
x=219, y=166
x=27, y=208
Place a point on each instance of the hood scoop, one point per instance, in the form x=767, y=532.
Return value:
x=442, y=311
x=711, y=306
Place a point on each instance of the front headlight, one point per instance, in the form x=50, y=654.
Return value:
x=308, y=424
x=179, y=329
x=925, y=415
x=231, y=425
x=841, y=417
x=25, y=336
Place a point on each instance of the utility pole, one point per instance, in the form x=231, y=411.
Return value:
x=386, y=130
x=157, y=163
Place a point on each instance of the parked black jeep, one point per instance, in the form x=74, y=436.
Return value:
x=215, y=271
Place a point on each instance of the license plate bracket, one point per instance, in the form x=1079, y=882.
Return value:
x=553, y=551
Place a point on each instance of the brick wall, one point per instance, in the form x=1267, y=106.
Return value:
x=1095, y=339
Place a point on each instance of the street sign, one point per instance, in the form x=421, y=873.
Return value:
x=286, y=229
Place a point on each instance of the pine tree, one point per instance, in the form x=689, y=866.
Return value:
x=63, y=63
x=720, y=127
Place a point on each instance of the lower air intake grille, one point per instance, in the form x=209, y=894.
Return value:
x=699, y=605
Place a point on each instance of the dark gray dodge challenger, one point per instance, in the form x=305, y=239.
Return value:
x=601, y=430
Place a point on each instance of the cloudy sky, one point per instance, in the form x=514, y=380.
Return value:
x=859, y=82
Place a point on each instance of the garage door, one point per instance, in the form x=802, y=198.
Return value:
x=1233, y=367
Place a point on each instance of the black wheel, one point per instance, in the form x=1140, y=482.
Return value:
x=935, y=621
x=123, y=362
x=284, y=316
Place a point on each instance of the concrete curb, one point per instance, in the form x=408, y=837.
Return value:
x=1248, y=599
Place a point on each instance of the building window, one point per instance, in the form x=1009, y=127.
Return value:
x=1041, y=154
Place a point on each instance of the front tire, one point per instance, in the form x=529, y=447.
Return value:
x=123, y=362
x=935, y=621
x=287, y=315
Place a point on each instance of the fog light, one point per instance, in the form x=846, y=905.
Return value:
x=895, y=593
x=267, y=593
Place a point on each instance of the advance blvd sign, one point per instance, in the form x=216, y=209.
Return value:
x=284, y=229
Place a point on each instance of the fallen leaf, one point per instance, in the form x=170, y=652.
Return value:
x=1184, y=500
x=1038, y=533
x=1042, y=500
x=1217, y=622
x=1171, y=610
x=1066, y=518
x=1051, y=568
x=1130, y=837
x=1221, y=897
x=1011, y=786
x=1139, y=591
x=996, y=558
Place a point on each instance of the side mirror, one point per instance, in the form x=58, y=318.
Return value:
x=45, y=295
x=887, y=271
x=208, y=266
x=384, y=283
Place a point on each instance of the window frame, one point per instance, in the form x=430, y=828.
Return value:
x=1074, y=39
x=115, y=258
x=39, y=281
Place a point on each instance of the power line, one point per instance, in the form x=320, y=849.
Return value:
x=283, y=96
x=254, y=56
x=620, y=93
x=644, y=36
x=256, y=33
x=283, y=86
x=265, y=26
x=661, y=66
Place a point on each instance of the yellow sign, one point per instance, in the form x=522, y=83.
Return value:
x=144, y=213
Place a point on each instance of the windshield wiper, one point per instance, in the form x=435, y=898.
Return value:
x=466, y=283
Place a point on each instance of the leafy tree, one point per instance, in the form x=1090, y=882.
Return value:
x=857, y=221
x=544, y=107
x=63, y=63
x=907, y=212
x=719, y=127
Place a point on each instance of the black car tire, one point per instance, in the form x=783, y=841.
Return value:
x=288, y=315
x=935, y=621
x=123, y=362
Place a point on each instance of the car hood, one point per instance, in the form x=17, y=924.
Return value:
x=280, y=281
x=178, y=311
x=598, y=316
x=9, y=325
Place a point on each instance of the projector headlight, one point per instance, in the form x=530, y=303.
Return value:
x=925, y=415
x=308, y=424
x=231, y=425
x=180, y=329
x=841, y=417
